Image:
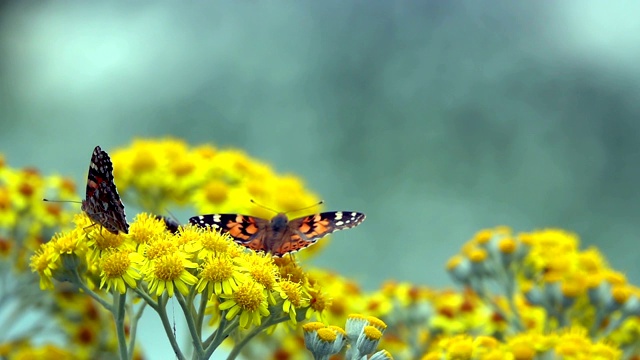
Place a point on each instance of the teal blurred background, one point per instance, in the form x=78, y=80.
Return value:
x=435, y=118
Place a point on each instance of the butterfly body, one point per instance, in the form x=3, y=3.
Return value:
x=102, y=203
x=279, y=223
x=279, y=236
x=171, y=224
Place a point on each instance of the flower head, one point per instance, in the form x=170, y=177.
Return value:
x=146, y=228
x=170, y=271
x=220, y=275
x=292, y=298
x=42, y=262
x=323, y=341
x=118, y=268
x=249, y=302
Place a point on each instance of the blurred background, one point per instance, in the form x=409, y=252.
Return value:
x=436, y=119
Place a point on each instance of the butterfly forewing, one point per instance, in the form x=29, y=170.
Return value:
x=314, y=227
x=242, y=228
x=279, y=236
x=102, y=203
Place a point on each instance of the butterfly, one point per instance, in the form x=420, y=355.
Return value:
x=171, y=224
x=279, y=236
x=102, y=203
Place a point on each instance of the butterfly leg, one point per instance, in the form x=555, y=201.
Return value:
x=90, y=226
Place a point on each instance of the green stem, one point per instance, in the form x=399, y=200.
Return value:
x=91, y=293
x=201, y=310
x=119, y=303
x=238, y=347
x=134, y=327
x=162, y=311
x=197, y=341
x=220, y=334
x=154, y=305
x=224, y=329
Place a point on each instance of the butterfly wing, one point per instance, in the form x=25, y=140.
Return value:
x=248, y=231
x=306, y=231
x=292, y=243
x=102, y=202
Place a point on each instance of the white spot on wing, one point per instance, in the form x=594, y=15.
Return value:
x=338, y=215
x=216, y=218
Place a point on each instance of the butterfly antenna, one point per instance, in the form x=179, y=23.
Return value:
x=306, y=207
x=173, y=216
x=62, y=201
x=264, y=207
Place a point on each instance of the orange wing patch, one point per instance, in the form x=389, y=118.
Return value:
x=315, y=226
x=243, y=228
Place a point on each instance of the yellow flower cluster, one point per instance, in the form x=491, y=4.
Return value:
x=157, y=175
x=525, y=296
x=25, y=223
x=25, y=220
x=208, y=273
x=238, y=289
x=570, y=344
x=547, y=283
x=160, y=173
x=361, y=336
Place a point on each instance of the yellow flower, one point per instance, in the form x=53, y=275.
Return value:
x=117, y=269
x=94, y=238
x=168, y=272
x=209, y=242
x=44, y=352
x=211, y=195
x=8, y=215
x=219, y=275
x=378, y=304
x=290, y=270
x=324, y=341
x=293, y=298
x=41, y=262
x=260, y=267
x=368, y=340
x=319, y=302
x=69, y=242
x=158, y=248
x=377, y=323
x=524, y=346
x=146, y=228
x=249, y=302
x=293, y=195
x=190, y=237
x=158, y=170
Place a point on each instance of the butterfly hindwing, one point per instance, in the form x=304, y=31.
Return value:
x=244, y=229
x=102, y=202
x=291, y=244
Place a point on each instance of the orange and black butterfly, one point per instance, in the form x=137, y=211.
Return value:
x=279, y=236
x=102, y=203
